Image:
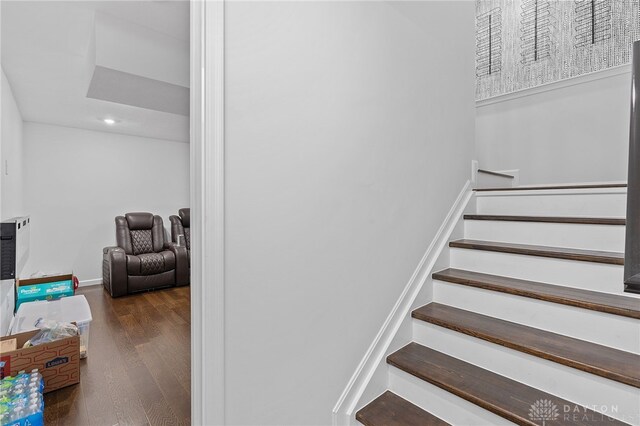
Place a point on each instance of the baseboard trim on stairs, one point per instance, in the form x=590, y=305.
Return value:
x=345, y=408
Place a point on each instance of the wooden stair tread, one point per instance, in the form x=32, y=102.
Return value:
x=549, y=219
x=552, y=187
x=391, y=410
x=505, y=397
x=596, y=301
x=612, y=258
x=596, y=359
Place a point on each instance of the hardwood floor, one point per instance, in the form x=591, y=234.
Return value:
x=138, y=371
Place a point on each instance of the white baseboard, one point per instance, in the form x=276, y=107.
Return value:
x=346, y=405
x=88, y=283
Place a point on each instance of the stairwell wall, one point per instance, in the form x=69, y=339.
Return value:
x=349, y=131
x=11, y=155
x=576, y=132
x=11, y=160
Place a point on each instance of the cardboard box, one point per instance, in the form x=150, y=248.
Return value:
x=58, y=362
x=8, y=345
x=45, y=288
x=73, y=309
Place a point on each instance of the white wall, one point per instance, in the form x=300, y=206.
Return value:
x=349, y=133
x=10, y=181
x=77, y=181
x=11, y=155
x=578, y=133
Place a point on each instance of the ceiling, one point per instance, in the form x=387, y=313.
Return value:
x=49, y=55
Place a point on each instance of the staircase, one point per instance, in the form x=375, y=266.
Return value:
x=529, y=324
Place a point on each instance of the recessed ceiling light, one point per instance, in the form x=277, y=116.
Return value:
x=109, y=121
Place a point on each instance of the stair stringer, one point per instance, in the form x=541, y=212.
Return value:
x=371, y=377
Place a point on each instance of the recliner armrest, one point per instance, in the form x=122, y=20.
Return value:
x=112, y=249
x=115, y=271
x=183, y=273
x=176, y=226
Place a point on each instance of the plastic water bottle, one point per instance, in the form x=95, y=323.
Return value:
x=35, y=382
x=18, y=389
x=36, y=378
x=16, y=414
x=33, y=409
x=21, y=400
x=36, y=373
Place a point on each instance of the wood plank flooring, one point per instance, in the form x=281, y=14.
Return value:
x=138, y=371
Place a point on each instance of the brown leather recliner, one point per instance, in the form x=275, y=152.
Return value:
x=181, y=225
x=142, y=260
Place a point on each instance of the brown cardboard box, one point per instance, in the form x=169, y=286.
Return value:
x=8, y=345
x=44, y=279
x=58, y=362
x=32, y=285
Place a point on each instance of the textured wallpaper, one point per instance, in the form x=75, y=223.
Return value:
x=526, y=43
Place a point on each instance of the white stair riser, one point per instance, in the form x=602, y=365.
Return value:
x=605, y=329
x=559, y=380
x=591, y=237
x=440, y=403
x=559, y=203
x=586, y=275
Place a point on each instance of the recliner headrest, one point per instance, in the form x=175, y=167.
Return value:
x=185, y=217
x=139, y=220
